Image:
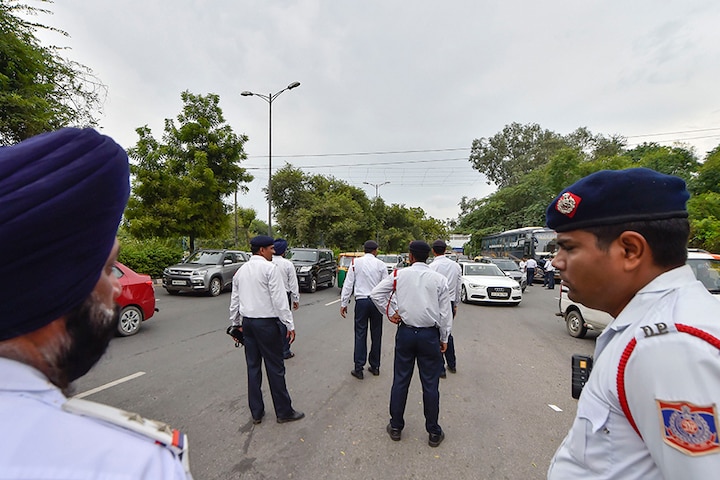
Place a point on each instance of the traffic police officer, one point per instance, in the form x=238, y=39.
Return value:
x=364, y=273
x=453, y=273
x=62, y=195
x=417, y=300
x=257, y=302
x=287, y=272
x=649, y=407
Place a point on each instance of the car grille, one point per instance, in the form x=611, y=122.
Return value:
x=498, y=292
x=184, y=273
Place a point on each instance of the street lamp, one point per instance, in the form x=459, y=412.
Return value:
x=269, y=99
x=377, y=186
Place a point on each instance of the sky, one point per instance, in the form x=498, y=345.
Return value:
x=397, y=91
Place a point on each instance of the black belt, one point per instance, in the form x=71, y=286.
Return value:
x=261, y=318
x=403, y=324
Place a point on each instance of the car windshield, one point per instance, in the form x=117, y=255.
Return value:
x=304, y=256
x=482, y=269
x=346, y=261
x=388, y=258
x=506, y=265
x=707, y=271
x=204, y=258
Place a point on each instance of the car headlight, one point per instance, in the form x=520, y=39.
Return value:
x=166, y=271
x=475, y=285
x=517, y=289
x=304, y=269
x=199, y=273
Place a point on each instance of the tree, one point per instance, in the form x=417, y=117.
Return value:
x=39, y=89
x=180, y=183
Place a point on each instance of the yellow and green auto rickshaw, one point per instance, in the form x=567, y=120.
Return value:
x=344, y=262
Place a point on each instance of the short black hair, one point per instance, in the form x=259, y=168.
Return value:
x=420, y=256
x=667, y=238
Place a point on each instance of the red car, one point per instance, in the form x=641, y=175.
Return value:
x=137, y=300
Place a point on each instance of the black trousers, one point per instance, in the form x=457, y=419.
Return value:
x=421, y=345
x=366, y=313
x=263, y=343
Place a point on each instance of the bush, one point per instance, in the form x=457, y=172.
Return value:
x=150, y=257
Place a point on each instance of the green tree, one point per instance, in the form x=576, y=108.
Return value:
x=708, y=177
x=39, y=89
x=180, y=183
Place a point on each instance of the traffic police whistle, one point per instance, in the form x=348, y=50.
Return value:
x=581, y=368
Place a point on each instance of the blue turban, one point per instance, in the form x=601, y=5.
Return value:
x=62, y=195
x=611, y=197
x=280, y=246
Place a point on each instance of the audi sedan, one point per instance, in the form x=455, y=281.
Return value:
x=486, y=283
x=137, y=300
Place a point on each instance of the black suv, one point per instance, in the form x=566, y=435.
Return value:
x=314, y=266
x=208, y=271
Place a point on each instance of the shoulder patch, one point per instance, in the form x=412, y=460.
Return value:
x=691, y=429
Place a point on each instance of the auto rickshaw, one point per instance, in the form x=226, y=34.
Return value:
x=344, y=262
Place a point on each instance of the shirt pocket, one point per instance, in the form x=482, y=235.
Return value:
x=590, y=442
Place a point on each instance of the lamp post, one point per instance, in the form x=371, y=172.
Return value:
x=377, y=188
x=269, y=99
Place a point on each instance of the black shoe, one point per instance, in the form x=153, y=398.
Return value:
x=374, y=370
x=443, y=374
x=452, y=369
x=357, y=374
x=395, y=433
x=289, y=355
x=258, y=420
x=436, y=439
x=295, y=416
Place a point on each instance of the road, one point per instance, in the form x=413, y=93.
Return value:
x=504, y=412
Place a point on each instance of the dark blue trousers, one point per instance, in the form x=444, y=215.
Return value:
x=421, y=345
x=530, y=276
x=366, y=313
x=263, y=343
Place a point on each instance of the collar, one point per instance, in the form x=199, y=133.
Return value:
x=21, y=378
x=420, y=265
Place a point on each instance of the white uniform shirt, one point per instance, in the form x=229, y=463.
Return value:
x=41, y=441
x=421, y=298
x=287, y=271
x=452, y=272
x=364, y=273
x=531, y=263
x=258, y=291
x=670, y=367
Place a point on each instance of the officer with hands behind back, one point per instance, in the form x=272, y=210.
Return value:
x=258, y=301
x=649, y=408
x=417, y=300
x=62, y=195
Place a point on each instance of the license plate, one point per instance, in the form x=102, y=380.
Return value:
x=179, y=282
x=498, y=294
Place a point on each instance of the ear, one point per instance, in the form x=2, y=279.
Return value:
x=635, y=250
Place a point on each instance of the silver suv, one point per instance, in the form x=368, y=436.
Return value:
x=209, y=271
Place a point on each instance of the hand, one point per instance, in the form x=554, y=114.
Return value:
x=343, y=311
x=396, y=318
x=443, y=347
x=291, y=336
x=296, y=305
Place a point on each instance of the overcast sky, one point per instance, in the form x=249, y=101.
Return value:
x=396, y=91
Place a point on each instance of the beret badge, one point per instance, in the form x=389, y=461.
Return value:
x=567, y=204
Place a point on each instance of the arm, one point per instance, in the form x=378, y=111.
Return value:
x=347, y=289
x=380, y=295
x=445, y=321
x=235, y=315
x=293, y=283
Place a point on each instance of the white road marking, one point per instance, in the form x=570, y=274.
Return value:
x=555, y=407
x=332, y=303
x=108, y=385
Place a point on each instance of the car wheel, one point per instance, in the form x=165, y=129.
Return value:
x=575, y=324
x=172, y=292
x=215, y=287
x=313, y=285
x=130, y=319
x=331, y=283
x=463, y=295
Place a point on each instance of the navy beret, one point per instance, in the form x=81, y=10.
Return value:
x=62, y=195
x=280, y=246
x=261, y=241
x=370, y=245
x=439, y=244
x=418, y=246
x=610, y=197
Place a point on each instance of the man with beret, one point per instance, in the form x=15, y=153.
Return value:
x=257, y=304
x=364, y=273
x=62, y=195
x=287, y=272
x=649, y=409
x=417, y=299
x=452, y=272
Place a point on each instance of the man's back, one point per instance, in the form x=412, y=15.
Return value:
x=452, y=272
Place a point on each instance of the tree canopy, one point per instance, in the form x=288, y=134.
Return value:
x=180, y=183
x=39, y=89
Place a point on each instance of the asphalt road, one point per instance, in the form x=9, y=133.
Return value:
x=504, y=412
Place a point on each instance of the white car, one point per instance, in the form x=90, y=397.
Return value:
x=579, y=318
x=391, y=260
x=485, y=282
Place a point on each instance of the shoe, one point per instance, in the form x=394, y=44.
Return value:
x=357, y=374
x=436, y=439
x=443, y=374
x=289, y=355
x=295, y=416
x=395, y=433
x=374, y=370
x=452, y=369
x=258, y=420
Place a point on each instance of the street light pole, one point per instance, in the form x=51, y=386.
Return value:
x=269, y=99
x=377, y=188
